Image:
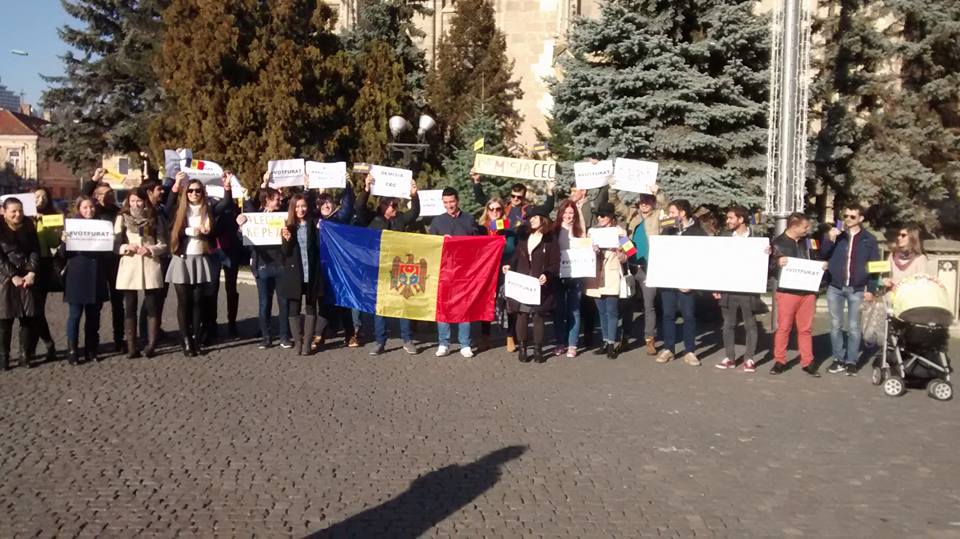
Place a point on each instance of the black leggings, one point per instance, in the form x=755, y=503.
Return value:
x=42, y=327
x=189, y=308
x=522, y=319
x=151, y=303
x=27, y=324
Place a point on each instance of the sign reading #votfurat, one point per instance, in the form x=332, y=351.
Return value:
x=286, y=172
x=88, y=235
x=509, y=167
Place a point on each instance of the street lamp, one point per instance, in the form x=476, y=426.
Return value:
x=399, y=125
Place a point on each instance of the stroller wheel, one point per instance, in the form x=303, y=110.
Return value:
x=894, y=386
x=940, y=390
x=877, y=377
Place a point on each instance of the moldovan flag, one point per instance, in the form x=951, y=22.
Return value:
x=414, y=276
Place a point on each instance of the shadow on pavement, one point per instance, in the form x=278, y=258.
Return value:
x=429, y=500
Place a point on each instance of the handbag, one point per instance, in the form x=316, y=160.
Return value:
x=628, y=285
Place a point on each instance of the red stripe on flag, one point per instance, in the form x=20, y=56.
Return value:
x=468, y=278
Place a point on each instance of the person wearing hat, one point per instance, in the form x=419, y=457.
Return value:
x=674, y=299
x=605, y=287
x=644, y=223
x=536, y=255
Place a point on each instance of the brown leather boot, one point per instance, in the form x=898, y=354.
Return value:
x=130, y=332
x=651, y=348
x=511, y=344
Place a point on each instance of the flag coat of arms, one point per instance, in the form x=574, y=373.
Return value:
x=413, y=276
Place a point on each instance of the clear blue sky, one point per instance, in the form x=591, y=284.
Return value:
x=31, y=25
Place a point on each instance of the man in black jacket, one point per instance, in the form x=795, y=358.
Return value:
x=681, y=299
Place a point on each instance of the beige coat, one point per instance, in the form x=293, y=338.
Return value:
x=137, y=272
x=607, y=281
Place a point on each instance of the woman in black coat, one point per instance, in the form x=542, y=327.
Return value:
x=85, y=289
x=536, y=255
x=300, y=278
x=19, y=262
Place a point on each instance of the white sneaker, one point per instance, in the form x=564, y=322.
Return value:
x=466, y=351
x=442, y=351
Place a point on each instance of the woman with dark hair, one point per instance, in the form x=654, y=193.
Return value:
x=605, y=287
x=86, y=288
x=906, y=256
x=566, y=317
x=190, y=267
x=301, y=281
x=49, y=230
x=327, y=210
x=537, y=255
x=19, y=261
x=141, y=241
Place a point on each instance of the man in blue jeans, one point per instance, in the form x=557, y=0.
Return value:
x=848, y=252
x=453, y=223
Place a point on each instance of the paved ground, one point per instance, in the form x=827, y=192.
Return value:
x=243, y=442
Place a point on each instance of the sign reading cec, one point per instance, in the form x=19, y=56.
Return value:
x=509, y=167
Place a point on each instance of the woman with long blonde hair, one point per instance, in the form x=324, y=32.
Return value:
x=906, y=255
x=495, y=223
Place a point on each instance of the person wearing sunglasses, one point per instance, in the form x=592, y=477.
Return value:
x=847, y=252
x=518, y=209
x=906, y=256
x=493, y=222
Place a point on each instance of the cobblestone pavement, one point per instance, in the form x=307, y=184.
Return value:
x=245, y=442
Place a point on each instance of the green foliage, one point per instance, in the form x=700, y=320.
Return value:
x=460, y=161
x=381, y=95
x=247, y=81
x=560, y=145
x=108, y=92
x=472, y=71
x=681, y=83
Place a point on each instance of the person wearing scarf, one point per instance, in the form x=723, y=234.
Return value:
x=906, y=256
x=141, y=242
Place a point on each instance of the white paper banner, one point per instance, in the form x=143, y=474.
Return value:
x=593, y=176
x=576, y=263
x=263, y=228
x=207, y=172
x=801, y=274
x=708, y=263
x=216, y=191
x=29, y=201
x=522, y=288
x=286, y=172
x=88, y=235
x=634, y=175
x=605, y=237
x=326, y=175
x=431, y=202
x=509, y=167
x=391, y=182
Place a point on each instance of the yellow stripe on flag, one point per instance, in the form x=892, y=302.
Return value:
x=478, y=144
x=409, y=275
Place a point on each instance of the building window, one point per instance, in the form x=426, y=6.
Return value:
x=123, y=165
x=13, y=157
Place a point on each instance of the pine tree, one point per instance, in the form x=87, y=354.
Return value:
x=104, y=100
x=559, y=141
x=472, y=68
x=680, y=83
x=381, y=95
x=247, y=81
x=459, y=163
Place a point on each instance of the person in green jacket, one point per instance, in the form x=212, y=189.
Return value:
x=49, y=225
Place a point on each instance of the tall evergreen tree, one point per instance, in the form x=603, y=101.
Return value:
x=681, y=83
x=104, y=100
x=381, y=94
x=460, y=161
x=472, y=68
x=247, y=81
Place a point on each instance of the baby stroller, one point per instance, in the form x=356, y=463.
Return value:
x=916, y=335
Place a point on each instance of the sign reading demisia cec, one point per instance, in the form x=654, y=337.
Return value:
x=88, y=235
x=509, y=167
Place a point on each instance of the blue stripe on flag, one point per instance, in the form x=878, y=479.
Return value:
x=350, y=259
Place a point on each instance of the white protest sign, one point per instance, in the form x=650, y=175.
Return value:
x=391, y=182
x=216, y=191
x=88, y=235
x=431, y=202
x=593, y=176
x=239, y=191
x=634, y=175
x=326, y=175
x=286, y=172
x=509, y=167
x=174, y=159
x=708, y=263
x=522, y=288
x=576, y=263
x=29, y=201
x=206, y=172
x=607, y=237
x=801, y=274
x=263, y=228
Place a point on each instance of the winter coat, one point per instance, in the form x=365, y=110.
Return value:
x=138, y=272
x=784, y=245
x=86, y=279
x=545, y=260
x=290, y=285
x=609, y=271
x=19, y=255
x=400, y=223
x=865, y=249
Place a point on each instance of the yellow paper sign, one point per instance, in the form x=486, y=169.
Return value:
x=880, y=266
x=115, y=176
x=478, y=144
x=52, y=220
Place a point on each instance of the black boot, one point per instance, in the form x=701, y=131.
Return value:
x=612, y=351
x=28, y=343
x=4, y=361
x=51, y=354
x=196, y=344
x=233, y=302
x=6, y=336
x=522, y=352
x=91, y=348
x=130, y=332
x=153, y=333
x=601, y=350
x=309, y=330
x=186, y=346
x=73, y=353
x=296, y=329
x=538, y=354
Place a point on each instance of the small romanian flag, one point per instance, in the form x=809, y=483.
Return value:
x=668, y=221
x=361, y=168
x=628, y=247
x=541, y=147
x=499, y=224
x=478, y=144
x=197, y=164
x=812, y=244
